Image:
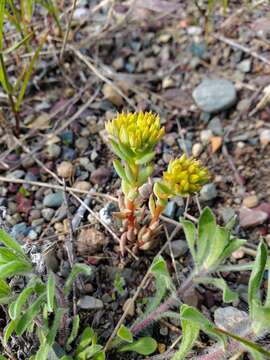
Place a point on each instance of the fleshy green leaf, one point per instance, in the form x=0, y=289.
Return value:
x=10, y=243
x=89, y=353
x=14, y=268
x=50, y=292
x=206, y=234
x=228, y=294
x=30, y=314
x=256, y=277
x=144, y=174
x=221, y=239
x=190, y=233
x=74, y=330
x=190, y=333
x=145, y=158
x=233, y=245
x=86, y=339
x=119, y=169
x=124, y=334
x=144, y=346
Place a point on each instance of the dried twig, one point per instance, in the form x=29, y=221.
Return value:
x=68, y=29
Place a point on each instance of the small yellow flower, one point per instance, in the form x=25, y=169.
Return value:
x=138, y=132
x=185, y=176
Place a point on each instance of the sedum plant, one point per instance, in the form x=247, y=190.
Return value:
x=133, y=137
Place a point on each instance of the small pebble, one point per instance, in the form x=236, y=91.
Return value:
x=251, y=217
x=52, y=151
x=179, y=248
x=170, y=209
x=251, y=201
x=208, y=192
x=87, y=302
x=47, y=213
x=65, y=170
x=112, y=95
x=53, y=200
x=17, y=174
x=205, y=136
x=82, y=144
x=130, y=305
x=101, y=175
x=238, y=254
x=82, y=185
x=265, y=137
x=244, y=66
x=197, y=149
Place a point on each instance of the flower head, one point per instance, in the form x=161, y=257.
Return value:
x=136, y=132
x=185, y=176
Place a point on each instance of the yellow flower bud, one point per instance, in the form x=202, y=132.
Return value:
x=185, y=176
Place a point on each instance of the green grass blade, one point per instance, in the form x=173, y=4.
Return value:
x=50, y=292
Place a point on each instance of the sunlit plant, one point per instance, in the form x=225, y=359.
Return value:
x=133, y=137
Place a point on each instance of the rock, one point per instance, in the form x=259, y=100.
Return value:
x=208, y=192
x=80, y=13
x=111, y=94
x=167, y=82
x=87, y=302
x=69, y=154
x=251, y=217
x=191, y=298
x=216, y=95
x=17, y=174
x=232, y=320
x=149, y=63
x=129, y=303
x=194, y=30
x=238, y=254
x=179, y=248
x=265, y=207
x=251, y=201
x=170, y=209
x=197, y=149
x=216, y=126
x=27, y=162
x=265, y=137
x=243, y=105
x=67, y=137
x=32, y=235
x=244, y=66
x=205, y=136
x=34, y=215
x=47, y=213
x=86, y=164
x=101, y=175
x=65, y=170
x=53, y=200
x=118, y=63
x=185, y=145
x=52, y=151
x=82, y=144
x=19, y=231
x=106, y=213
x=90, y=241
x=82, y=185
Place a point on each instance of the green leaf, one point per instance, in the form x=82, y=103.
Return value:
x=15, y=308
x=125, y=334
x=221, y=239
x=9, y=242
x=2, y=11
x=55, y=326
x=144, y=174
x=28, y=74
x=17, y=45
x=4, y=289
x=86, y=339
x=206, y=234
x=261, y=318
x=190, y=234
x=29, y=316
x=145, y=158
x=119, y=169
x=190, y=333
x=9, y=330
x=27, y=9
x=43, y=352
x=74, y=330
x=193, y=315
x=233, y=245
x=131, y=177
x=7, y=255
x=256, y=277
x=267, y=300
x=76, y=270
x=236, y=267
x=144, y=346
x=3, y=357
x=14, y=268
x=117, y=150
x=89, y=352
x=228, y=294
x=50, y=292
x=159, y=266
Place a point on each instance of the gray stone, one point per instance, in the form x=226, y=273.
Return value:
x=208, y=192
x=82, y=144
x=216, y=126
x=87, y=302
x=215, y=95
x=106, y=213
x=185, y=145
x=227, y=213
x=52, y=151
x=179, y=248
x=19, y=231
x=233, y=320
x=32, y=235
x=47, y=213
x=244, y=66
x=17, y=174
x=170, y=209
x=53, y=200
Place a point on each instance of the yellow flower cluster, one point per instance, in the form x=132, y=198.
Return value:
x=139, y=132
x=185, y=176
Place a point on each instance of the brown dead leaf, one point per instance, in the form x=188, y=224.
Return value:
x=216, y=143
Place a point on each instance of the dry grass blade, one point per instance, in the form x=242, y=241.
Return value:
x=67, y=30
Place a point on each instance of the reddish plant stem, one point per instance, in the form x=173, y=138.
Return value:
x=172, y=301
